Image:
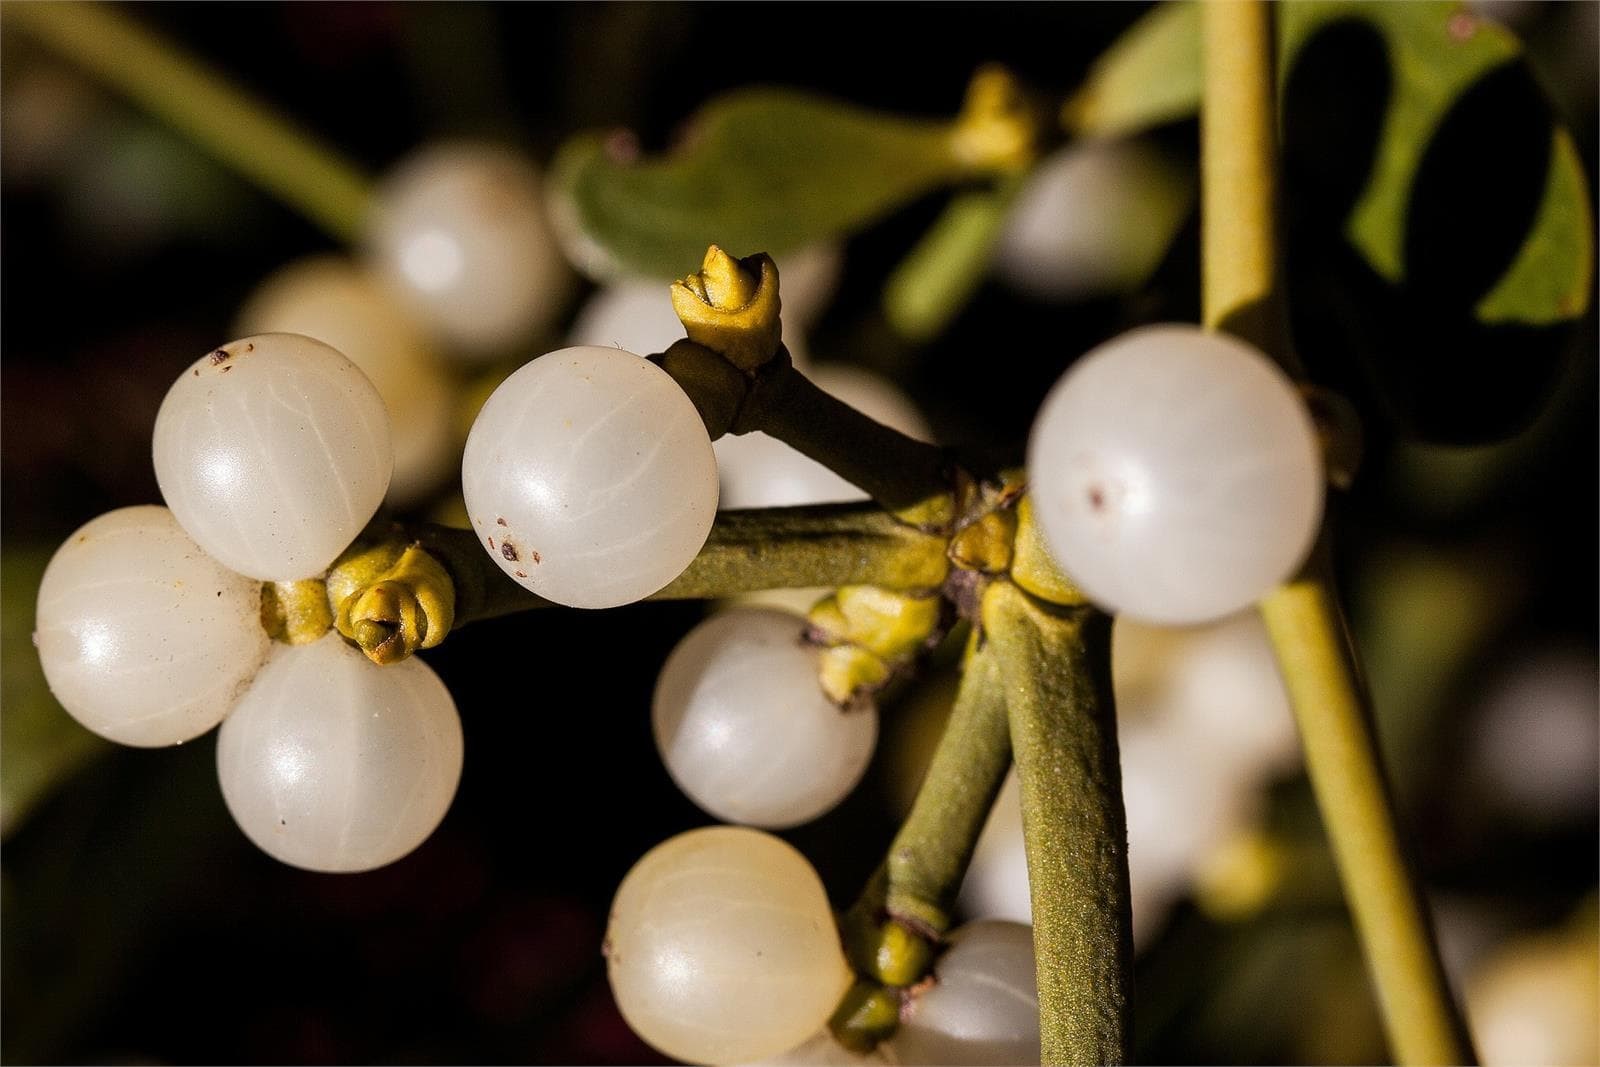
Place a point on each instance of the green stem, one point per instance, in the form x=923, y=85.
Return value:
x=1056, y=669
x=907, y=477
x=265, y=147
x=891, y=930
x=1306, y=624
x=769, y=548
x=1239, y=189
x=1310, y=637
x=929, y=856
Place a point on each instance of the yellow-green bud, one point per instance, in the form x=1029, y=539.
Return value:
x=731, y=307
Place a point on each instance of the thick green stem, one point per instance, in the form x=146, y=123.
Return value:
x=238, y=130
x=1309, y=634
x=929, y=856
x=769, y=548
x=1056, y=668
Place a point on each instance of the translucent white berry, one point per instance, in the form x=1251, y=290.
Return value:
x=144, y=638
x=1096, y=217
x=341, y=305
x=333, y=763
x=744, y=727
x=459, y=230
x=589, y=477
x=1176, y=474
x=984, y=1008
x=273, y=452
x=823, y=1051
x=759, y=471
x=1217, y=685
x=722, y=947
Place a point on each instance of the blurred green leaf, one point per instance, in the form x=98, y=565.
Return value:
x=763, y=170
x=934, y=282
x=1437, y=53
x=40, y=744
x=1552, y=278
x=1149, y=76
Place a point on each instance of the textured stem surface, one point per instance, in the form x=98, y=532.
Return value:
x=930, y=854
x=240, y=131
x=1057, y=674
x=766, y=548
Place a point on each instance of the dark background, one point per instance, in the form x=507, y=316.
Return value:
x=140, y=926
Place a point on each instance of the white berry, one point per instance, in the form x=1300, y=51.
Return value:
x=1095, y=217
x=144, y=638
x=589, y=477
x=459, y=230
x=333, y=763
x=722, y=947
x=744, y=727
x=341, y=305
x=273, y=452
x=984, y=1006
x=1176, y=474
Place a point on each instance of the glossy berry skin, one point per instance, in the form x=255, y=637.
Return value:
x=984, y=1008
x=340, y=304
x=332, y=763
x=722, y=948
x=1176, y=474
x=273, y=452
x=144, y=638
x=589, y=477
x=459, y=232
x=746, y=731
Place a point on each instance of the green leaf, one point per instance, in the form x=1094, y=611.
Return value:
x=932, y=284
x=40, y=744
x=1150, y=76
x=764, y=170
x=1437, y=53
x=1552, y=278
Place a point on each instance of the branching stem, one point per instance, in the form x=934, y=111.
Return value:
x=768, y=548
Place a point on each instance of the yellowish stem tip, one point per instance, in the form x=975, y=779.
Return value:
x=997, y=129
x=731, y=307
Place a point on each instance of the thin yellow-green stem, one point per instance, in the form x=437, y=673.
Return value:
x=1238, y=252
x=1304, y=618
x=1308, y=633
x=202, y=104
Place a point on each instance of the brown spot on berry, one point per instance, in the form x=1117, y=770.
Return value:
x=1097, y=498
x=536, y=556
x=1463, y=25
x=508, y=550
x=228, y=368
x=491, y=544
x=520, y=574
x=220, y=356
x=501, y=522
x=249, y=347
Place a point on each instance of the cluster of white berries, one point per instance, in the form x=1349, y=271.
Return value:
x=1176, y=475
x=272, y=453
